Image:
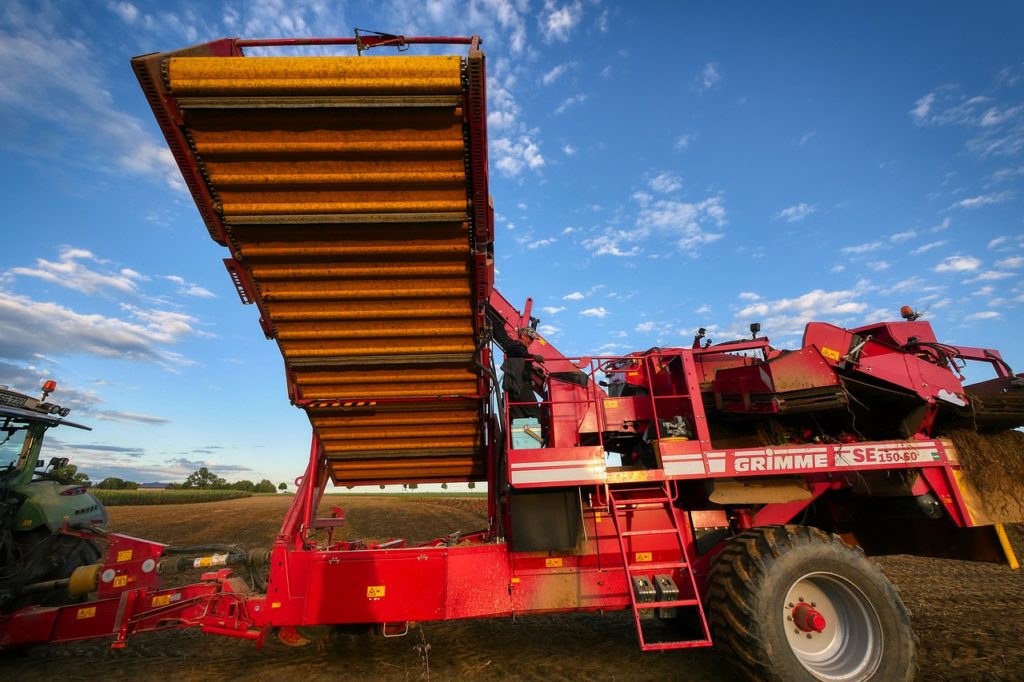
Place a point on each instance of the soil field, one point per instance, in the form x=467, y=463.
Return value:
x=968, y=617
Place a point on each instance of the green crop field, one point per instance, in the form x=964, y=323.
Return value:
x=115, y=498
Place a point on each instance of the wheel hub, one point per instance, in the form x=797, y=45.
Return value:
x=807, y=618
x=832, y=628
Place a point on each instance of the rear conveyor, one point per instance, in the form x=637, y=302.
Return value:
x=352, y=194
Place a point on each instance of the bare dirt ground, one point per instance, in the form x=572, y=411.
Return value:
x=968, y=617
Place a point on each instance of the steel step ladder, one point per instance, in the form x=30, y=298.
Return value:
x=652, y=588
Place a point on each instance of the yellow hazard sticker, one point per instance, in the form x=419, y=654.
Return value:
x=275, y=605
x=162, y=600
x=120, y=581
x=375, y=591
x=516, y=581
x=598, y=517
x=643, y=556
x=611, y=403
x=124, y=555
x=829, y=353
x=89, y=612
x=633, y=374
x=541, y=341
x=553, y=562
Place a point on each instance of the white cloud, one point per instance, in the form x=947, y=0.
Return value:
x=860, y=249
x=984, y=200
x=35, y=327
x=511, y=156
x=549, y=330
x=998, y=241
x=989, y=276
x=995, y=115
x=553, y=310
x=541, y=243
x=611, y=244
x=688, y=222
x=665, y=182
x=709, y=77
x=902, y=236
x=958, y=264
x=922, y=108
x=984, y=315
x=1007, y=173
x=838, y=267
x=555, y=73
x=500, y=120
x=1012, y=262
x=944, y=225
x=572, y=100
x=788, y=316
x=703, y=310
x=796, y=213
x=645, y=327
x=557, y=23
x=984, y=291
x=807, y=137
x=574, y=296
x=749, y=296
x=599, y=312
x=569, y=150
x=198, y=291
x=878, y=265
x=994, y=129
x=126, y=10
x=188, y=288
x=915, y=284
x=928, y=247
x=70, y=272
x=684, y=141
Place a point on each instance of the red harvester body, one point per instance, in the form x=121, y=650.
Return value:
x=351, y=193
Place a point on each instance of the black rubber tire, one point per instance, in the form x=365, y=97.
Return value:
x=747, y=587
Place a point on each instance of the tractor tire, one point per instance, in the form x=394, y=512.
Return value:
x=794, y=603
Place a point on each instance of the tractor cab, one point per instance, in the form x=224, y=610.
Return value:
x=36, y=502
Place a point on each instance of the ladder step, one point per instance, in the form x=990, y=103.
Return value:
x=682, y=644
x=659, y=531
x=651, y=566
x=629, y=502
x=667, y=604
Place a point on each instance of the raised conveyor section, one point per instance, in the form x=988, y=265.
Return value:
x=344, y=188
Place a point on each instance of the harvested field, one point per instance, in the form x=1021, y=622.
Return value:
x=967, y=615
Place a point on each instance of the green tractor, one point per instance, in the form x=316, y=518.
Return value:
x=38, y=561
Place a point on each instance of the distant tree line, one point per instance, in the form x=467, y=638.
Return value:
x=202, y=478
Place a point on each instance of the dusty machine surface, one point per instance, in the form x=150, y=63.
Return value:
x=723, y=493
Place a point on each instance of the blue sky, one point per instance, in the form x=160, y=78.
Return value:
x=656, y=167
